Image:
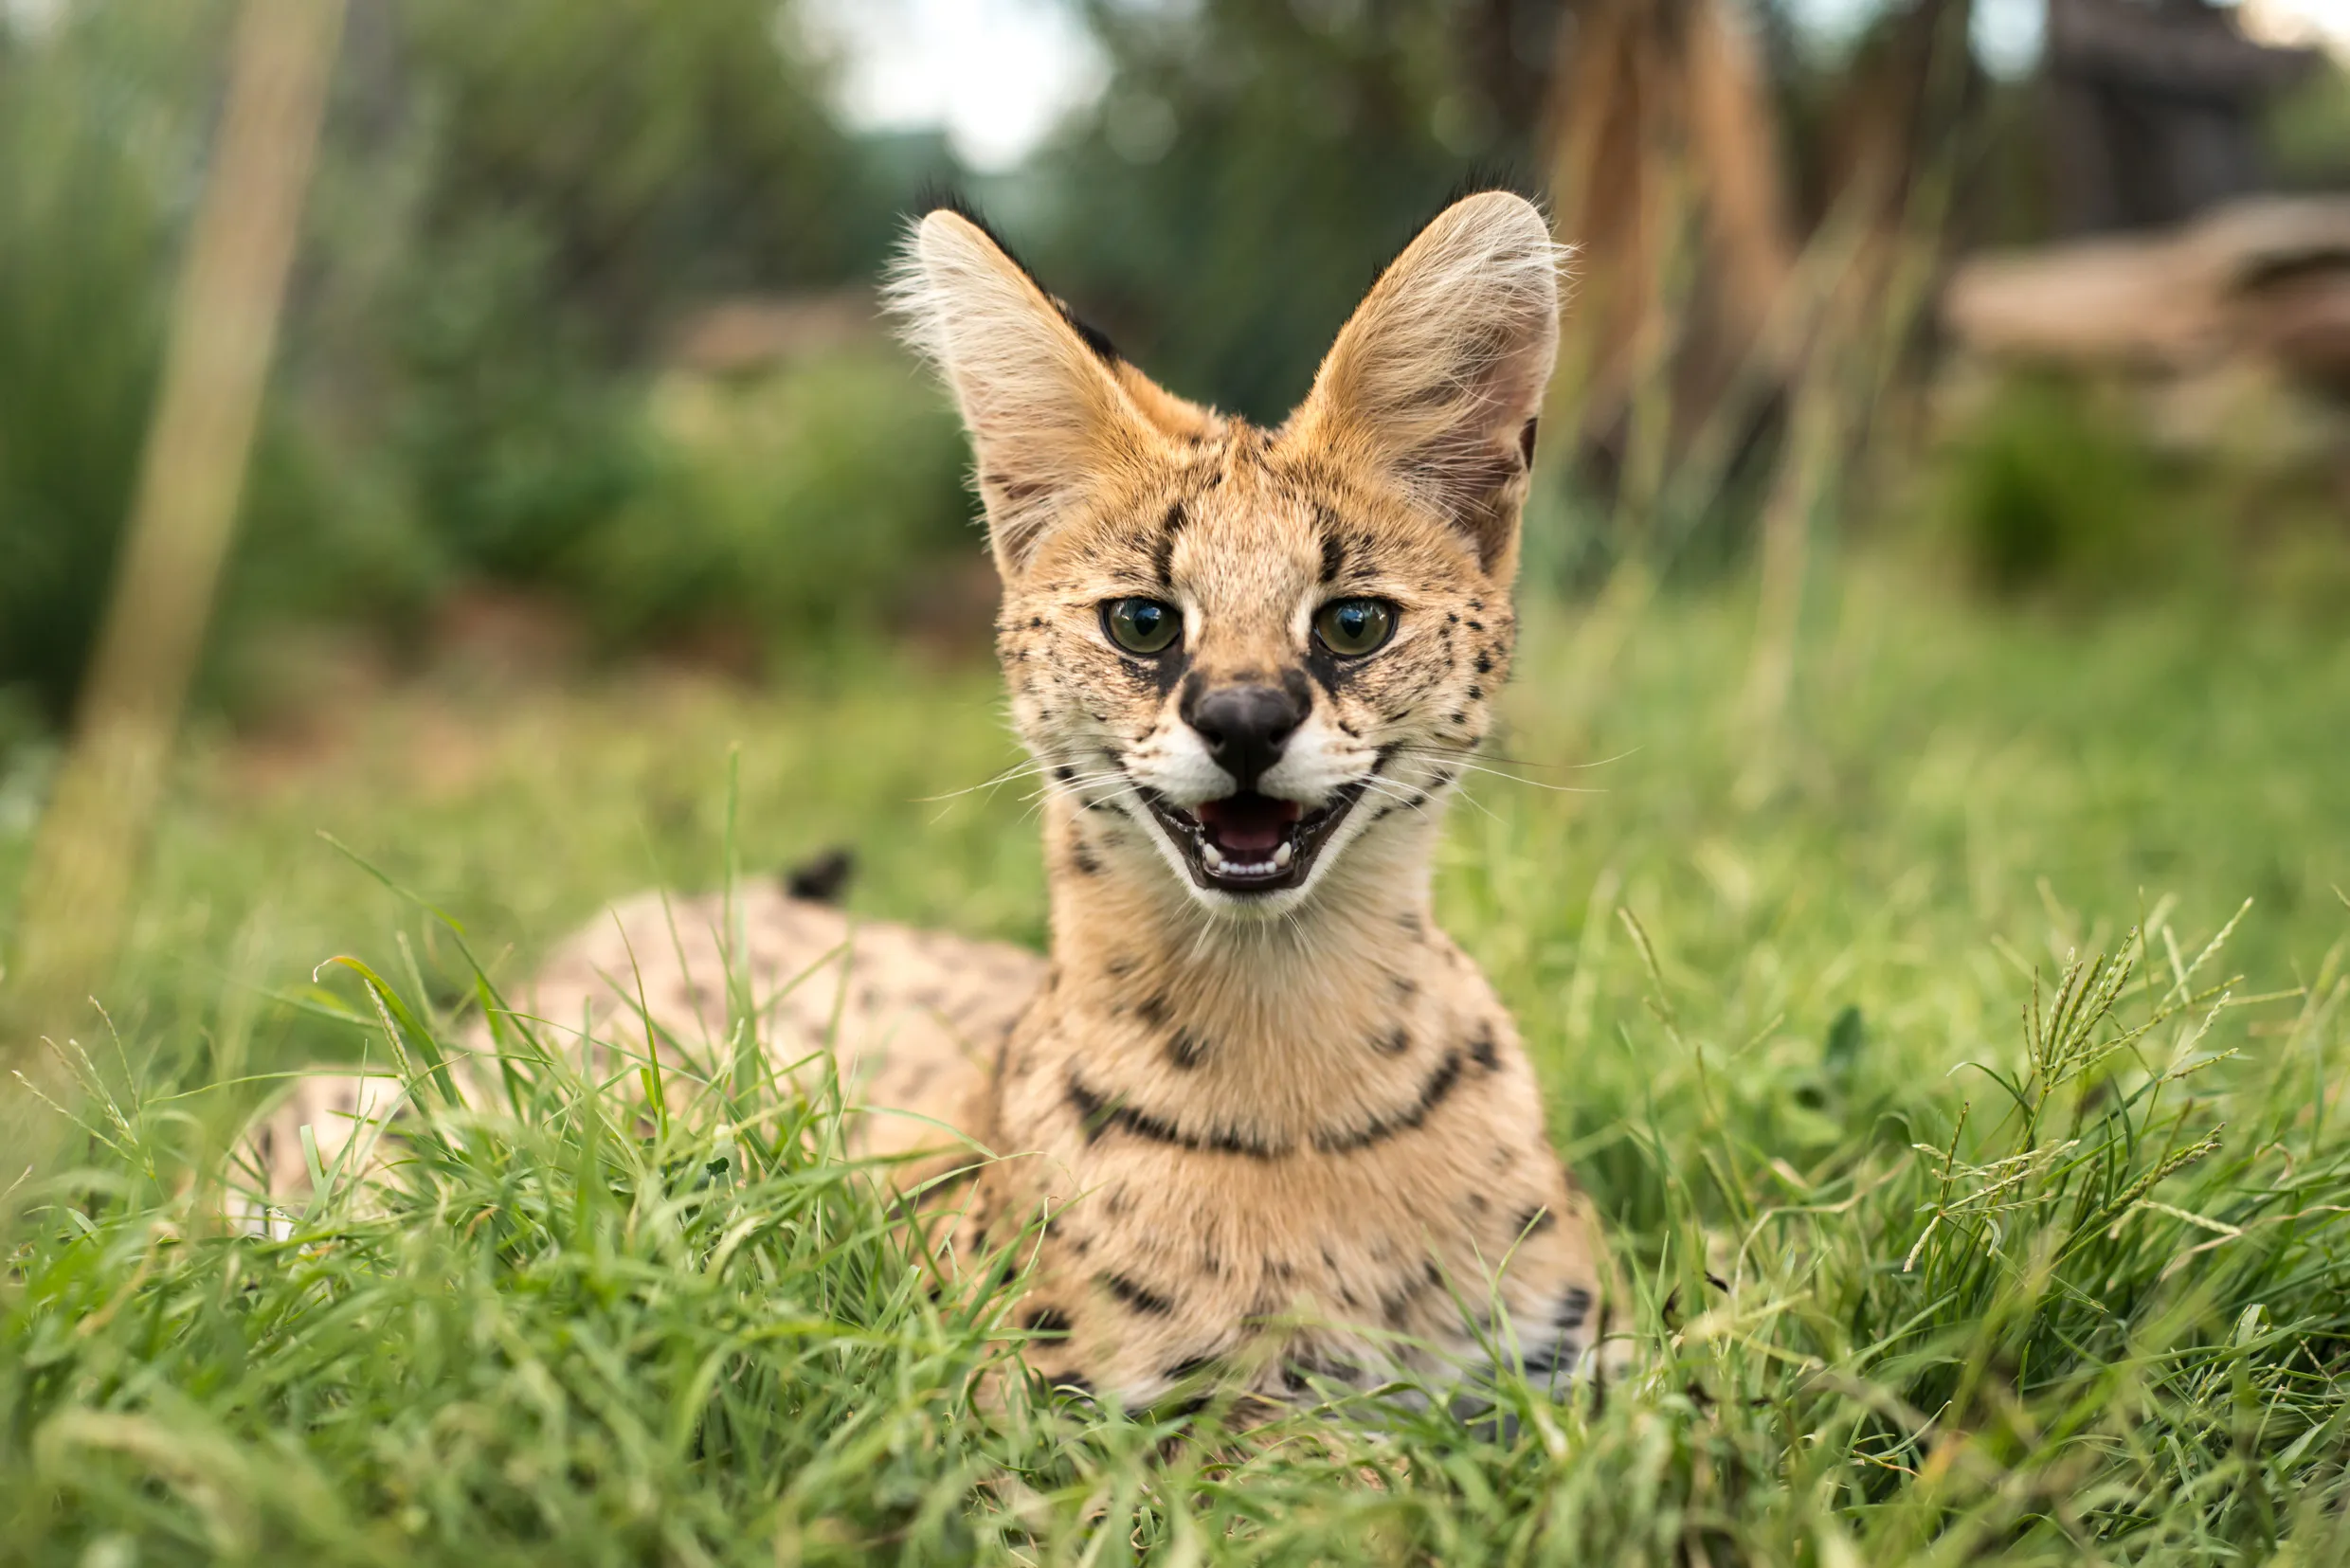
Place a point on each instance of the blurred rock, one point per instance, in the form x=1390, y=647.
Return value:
x=2247, y=307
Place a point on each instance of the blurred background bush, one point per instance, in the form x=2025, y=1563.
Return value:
x=582, y=331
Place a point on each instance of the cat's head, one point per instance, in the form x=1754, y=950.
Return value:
x=1253, y=648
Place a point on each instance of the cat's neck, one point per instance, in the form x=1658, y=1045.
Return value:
x=1129, y=940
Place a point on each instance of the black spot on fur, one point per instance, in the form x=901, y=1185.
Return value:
x=1395, y=1042
x=1535, y=1222
x=1163, y=552
x=1525, y=442
x=1152, y=1009
x=1046, y=1319
x=1433, y=1093
x=1083, y=857
x=822, y=878
x=1139, y=1298
x=1476, y=692
x=1119, y=967
x=1485, y=663
x=1574, y=1308
x=1483, y=1050
x=1097, y=1115
x=1185, y=1049
x=1334, y=557
x=1190, y=1367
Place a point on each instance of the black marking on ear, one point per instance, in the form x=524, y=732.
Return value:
x=1141, y=1298
x=1482, y=1049
x=944, y=199
x=1091, y=336
x=1433, y=1093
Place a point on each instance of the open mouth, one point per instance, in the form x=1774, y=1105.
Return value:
x=1250, y=842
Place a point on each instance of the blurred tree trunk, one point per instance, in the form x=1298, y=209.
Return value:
x=1665, y=175
x=76, y=896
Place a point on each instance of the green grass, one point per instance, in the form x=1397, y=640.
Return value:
x=1965, y=1225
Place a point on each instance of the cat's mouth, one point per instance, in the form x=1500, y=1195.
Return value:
x=1250, y=842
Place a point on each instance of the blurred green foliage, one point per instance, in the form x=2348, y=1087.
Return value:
x=96, y=146
x=516, y=207
x=2046, y=481
x=2308, y=130
x=2056, y=484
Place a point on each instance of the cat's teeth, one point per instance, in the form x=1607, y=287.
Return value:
x=1283, y=855
x=1213, y=856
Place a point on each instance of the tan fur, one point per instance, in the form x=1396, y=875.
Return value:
x=1263, y=1136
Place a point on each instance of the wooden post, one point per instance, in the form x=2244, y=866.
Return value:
x=77, y=897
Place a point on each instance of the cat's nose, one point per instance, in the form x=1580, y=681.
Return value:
x=1245, y=725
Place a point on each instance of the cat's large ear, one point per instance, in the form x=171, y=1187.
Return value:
x=1437, y=378
x=1043, y=401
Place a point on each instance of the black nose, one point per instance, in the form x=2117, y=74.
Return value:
x=1244, y=727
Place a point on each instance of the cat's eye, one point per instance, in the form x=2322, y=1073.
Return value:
x=1352, y=628
x=1141, y=625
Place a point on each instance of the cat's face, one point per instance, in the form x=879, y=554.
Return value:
x=1256, y=651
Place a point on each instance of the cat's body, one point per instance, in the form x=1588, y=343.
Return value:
x=1269, y=1123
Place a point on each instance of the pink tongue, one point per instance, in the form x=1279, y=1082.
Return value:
x=1247, y=824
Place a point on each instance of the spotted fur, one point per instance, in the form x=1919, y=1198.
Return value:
x=1263, y=1137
